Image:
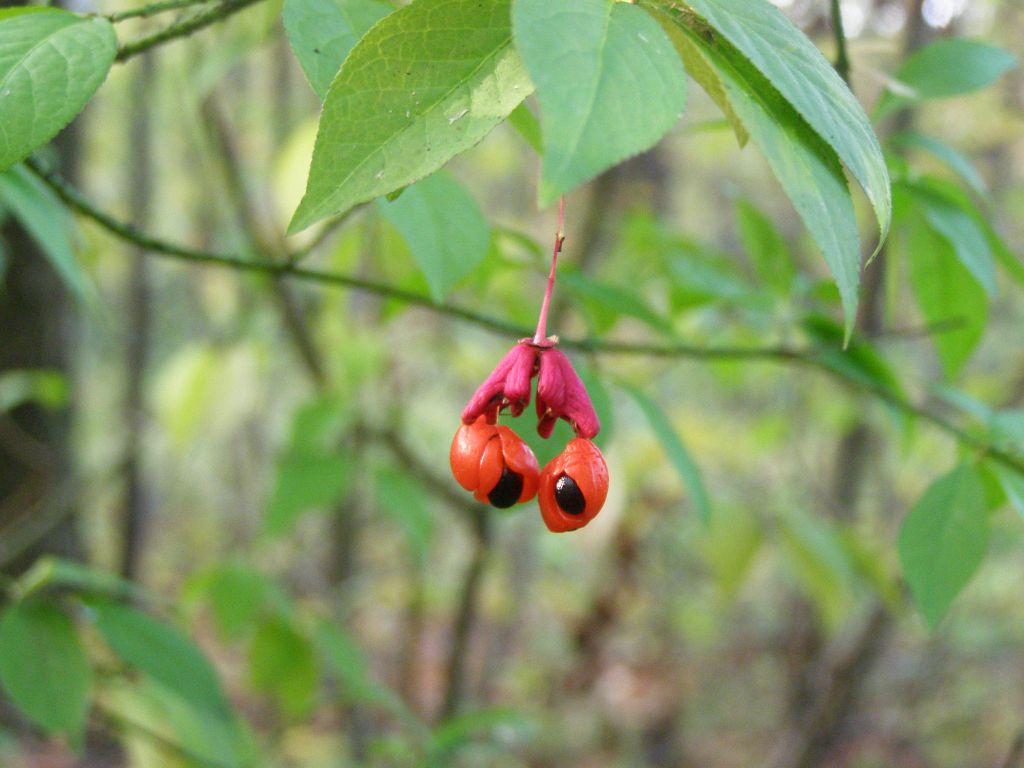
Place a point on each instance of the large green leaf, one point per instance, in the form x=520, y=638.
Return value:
x=608, y=81
x=322, y=32
x=943, y=540
x=676, y=451
x=51, y=63
x=47, y=220
x=949, y=297
x=446, y=233
x=947, y=68
x=425, y=83
x=43, y=667
x=806, y=79
x=806, y=167
x=162, y=652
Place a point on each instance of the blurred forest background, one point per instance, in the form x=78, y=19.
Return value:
x=267, y=456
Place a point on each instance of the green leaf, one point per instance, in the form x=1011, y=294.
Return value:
x=47, y=220
x=52, y=571
x=305, y=481
x=345, y=661
x=522, y=119
x=947, y=68
x=427, y=82
x=162, y=652
x=237, y=594
x=943, y=540
x=819, y=560
x=955, y=160
x=406, y=501
x=704, y=74
x=1012, y=483
x=859, y=361
x=43, y=667
x=614, y=299
x=282, y=663
x=948, y=296
x=958, y=228
x=805, y=78
x=767, y=248
x=444, y=229
x=676, y=451
x=51, y=63
x=805, y=166
x=461, y=729
x=610, y=94
x=322, y=32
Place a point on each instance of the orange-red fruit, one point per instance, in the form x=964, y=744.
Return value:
x=573, y=487
x=494, y=463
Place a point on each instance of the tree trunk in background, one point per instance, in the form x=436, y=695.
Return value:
x=137, y=501
x=37, y=322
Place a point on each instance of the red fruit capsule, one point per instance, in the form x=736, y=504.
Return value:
x=494, y=463
x=573, y=487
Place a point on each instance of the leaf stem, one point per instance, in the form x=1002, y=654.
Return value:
x=540, y=336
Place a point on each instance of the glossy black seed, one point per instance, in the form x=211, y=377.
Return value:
x=507, y=491
x=569, y=496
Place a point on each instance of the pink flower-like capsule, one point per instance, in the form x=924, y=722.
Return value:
x=560, y=392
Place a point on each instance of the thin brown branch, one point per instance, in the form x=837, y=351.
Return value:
x=810, y=357
x=183, y=28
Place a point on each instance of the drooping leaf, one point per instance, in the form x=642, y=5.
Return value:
x=282, y=663
x=51, y=63
x=704, y=74
x=787, y=59
x=945, y=68
x=425, y=83
x=806, y=167
x=43, y=667
x=943, y=540
x=163, y=653
x=48, y=222
x=610, y=94
x=443, y=227
x=949, y=298
x=676, y=451
x=322, y=32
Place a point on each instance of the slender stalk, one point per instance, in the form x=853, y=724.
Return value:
x=183, y=28
x=541, y=335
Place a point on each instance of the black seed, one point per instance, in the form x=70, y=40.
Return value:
x=507, y=491
x=569, y=496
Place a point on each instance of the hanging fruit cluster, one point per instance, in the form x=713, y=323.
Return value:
x=495, y=464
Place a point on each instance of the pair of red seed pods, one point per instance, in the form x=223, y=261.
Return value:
x=499, y=468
